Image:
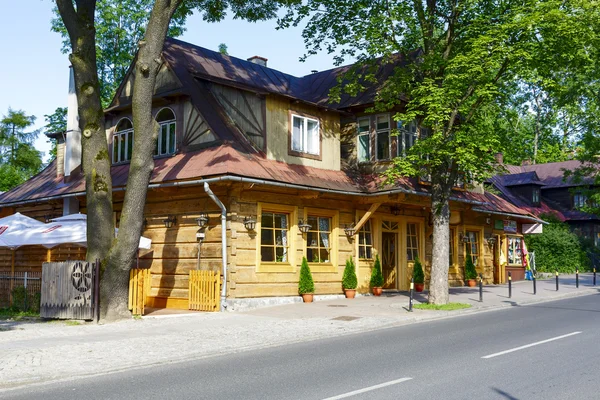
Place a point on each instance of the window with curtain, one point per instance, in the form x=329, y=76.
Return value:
x=365, y=241
x=274, y=237
x=412, y=242
x=474, y=245
x=123, y=141
x=382, y=137
x=166, y=133
x=305, y=135
x=407, y=136
x=364, y=140
x=318, y=244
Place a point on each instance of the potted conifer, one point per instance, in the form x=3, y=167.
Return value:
x=470, y=271
x=349, y=280
x=306, y=285
x=376, y=278
x=418, y=275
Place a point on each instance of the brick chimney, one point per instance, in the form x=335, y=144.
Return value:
x=499, y=158
x=72, y=152
x=526, y=163
x=258, y=60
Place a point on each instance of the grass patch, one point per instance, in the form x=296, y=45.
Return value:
x=9, y=313
x=443, y=307
x=71, y=322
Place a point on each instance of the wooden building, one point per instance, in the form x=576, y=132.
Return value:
x=282, y=160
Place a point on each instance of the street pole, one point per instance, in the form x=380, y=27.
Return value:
x=480, y=288
x=509, y=285
x=577, y=277
x=557, y=280
x=410, y=299
x=534, y=288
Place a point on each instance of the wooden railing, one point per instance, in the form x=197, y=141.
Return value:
x=139, y=289
x=204, y=293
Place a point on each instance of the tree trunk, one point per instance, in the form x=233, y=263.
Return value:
x=115, y=282
x=440, y=208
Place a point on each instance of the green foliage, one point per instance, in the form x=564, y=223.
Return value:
x=470, y=271
x=306, y=283
x=55, y=123
x=557, y=248
x=19, y=160
x=223, y=49
x=349, y=280
x=22, y=302
x=418, y=275
x=376, y=275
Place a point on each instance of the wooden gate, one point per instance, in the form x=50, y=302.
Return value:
x=69, y=290
x=204, y=293
x=139, y=289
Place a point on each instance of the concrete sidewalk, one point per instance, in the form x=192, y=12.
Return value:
x=49, y=351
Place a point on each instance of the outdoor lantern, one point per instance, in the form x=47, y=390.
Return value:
x=170, y=221
x=304, y=227
x=491, y=240
x=202, y=220
x=466, y=239
x=349, y=230
x=395, y=210
x=250, y=223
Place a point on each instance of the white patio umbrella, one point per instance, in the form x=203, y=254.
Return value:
x=13, y=223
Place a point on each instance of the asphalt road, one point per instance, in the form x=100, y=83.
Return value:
x=543, y=351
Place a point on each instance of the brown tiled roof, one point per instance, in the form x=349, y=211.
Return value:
x=550, y=174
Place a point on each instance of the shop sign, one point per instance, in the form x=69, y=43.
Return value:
x=529, y=229
x=510, y=226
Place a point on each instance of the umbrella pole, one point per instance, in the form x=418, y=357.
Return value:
x=12, y=277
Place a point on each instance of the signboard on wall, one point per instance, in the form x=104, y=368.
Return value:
x=529, y=229
x=498, y=224
x=510, y=226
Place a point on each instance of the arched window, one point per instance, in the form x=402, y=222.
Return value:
x=123, y=141
x=166, y=134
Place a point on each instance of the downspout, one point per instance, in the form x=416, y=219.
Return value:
x=223, y=243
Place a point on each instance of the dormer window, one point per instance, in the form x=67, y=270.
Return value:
x=305, y=137
x=166, y=134
x=123, y=141
x=579, y=200
x=535, y=196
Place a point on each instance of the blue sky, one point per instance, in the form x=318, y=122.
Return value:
x=34, y=73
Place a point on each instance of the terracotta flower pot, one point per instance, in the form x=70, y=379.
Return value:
x=471, y=282
x=350, y=293
x=419, y=287
x=307, y=297
x=377, y=291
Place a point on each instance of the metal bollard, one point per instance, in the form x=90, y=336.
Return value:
x=410, y=299
x=480, y=288
x=534, y=286
x=557, y=280
x=577, y=277
x=594, y=276
x=509, y=285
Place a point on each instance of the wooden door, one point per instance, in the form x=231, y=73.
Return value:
x=388, y=260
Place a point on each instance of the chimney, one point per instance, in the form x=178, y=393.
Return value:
x=526, y=163
x=72, y=152
x=258, y=60
x=499, y=158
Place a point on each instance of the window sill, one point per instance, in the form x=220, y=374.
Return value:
x=325, y=267
x=275, y=267
x=296, y=153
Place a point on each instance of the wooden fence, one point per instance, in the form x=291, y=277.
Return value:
x=69, y=290
x=139, y=289
x=31, y=281
x=204, y=293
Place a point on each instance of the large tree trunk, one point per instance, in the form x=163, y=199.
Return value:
x=438, y=283
x=115, y=282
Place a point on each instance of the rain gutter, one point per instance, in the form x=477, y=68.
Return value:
x=539, y=221
x=223, y=243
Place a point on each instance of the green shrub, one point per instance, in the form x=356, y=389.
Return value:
x=470, y=271
x=19, y=299
x=349, y=280
x=35, y=301
x=557, y=248
x=376, y=276
x=306, y=283
x=418, y=275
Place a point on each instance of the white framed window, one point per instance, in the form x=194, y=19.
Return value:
x=383, y=144
x=407, y=136
x=535, y=198
x=274, y=237
x=365, y=242
x=305, y=135
x=166, y=133
x=364, y=139
x=123, y=141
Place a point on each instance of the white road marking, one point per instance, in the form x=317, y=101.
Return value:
x=531, y=345
x=368, y=389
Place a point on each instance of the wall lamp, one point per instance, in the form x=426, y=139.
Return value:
x=303, y=226
x=250, y=223
x=349, y=230
x=170, y=221
x=491, y=241
x=202, y=220
x=464, y=238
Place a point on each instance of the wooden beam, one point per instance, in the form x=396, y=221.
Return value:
x=48, y=255
x=366, y=217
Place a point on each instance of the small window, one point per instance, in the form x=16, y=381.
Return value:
x=412, y=242
x=123, y=141
x=535, y=198
x=166, y=133
x=365, y=241
x=407, y=136
x=305, y=135
x=318, y=240
x=579, y=200
x=514, y=251
x=364, y=140
x=473, y=245
x=274, y=241
x=382, y=140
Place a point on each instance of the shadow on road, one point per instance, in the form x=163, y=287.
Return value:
x=505, y=394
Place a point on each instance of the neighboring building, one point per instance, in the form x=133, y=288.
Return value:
x=274, y=150
x=542, y=189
